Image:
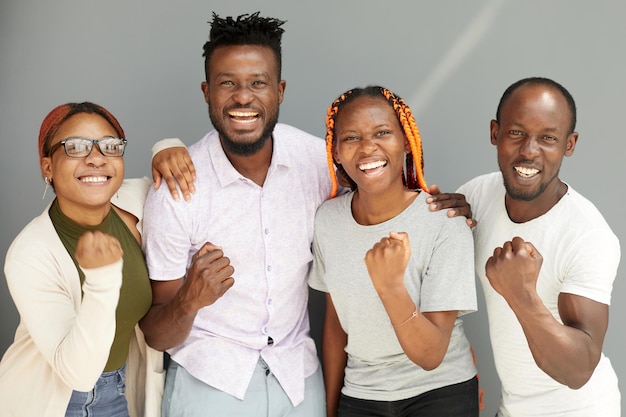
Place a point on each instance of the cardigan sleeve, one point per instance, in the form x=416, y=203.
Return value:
x=73, y=335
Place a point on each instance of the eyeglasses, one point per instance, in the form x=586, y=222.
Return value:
x=81, y=147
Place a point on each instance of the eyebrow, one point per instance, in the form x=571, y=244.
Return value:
x=233, y=74
x=520, y=125
x=379, y=126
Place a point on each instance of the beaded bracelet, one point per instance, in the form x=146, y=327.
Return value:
x=413, y=315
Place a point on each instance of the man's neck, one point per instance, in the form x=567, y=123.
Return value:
x=255, y=166
x=521, y=211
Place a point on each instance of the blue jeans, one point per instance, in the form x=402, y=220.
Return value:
x=106, y=399
x=457, y=400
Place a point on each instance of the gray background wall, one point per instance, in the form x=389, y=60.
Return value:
x=451, y=60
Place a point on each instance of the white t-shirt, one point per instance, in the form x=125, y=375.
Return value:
x=580, y=256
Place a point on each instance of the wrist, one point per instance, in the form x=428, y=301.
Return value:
x=390, y=292
x=166, y=144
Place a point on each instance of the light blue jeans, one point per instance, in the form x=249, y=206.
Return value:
x=186, y=396
x=106, y=399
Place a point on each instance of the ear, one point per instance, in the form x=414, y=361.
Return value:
x=281, y=90
x=205, y=90
x=571, y=143
x=407, y=146
x=46, y=166
x=336, y=154
x=494, y=128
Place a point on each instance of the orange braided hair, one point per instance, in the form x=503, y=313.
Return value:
x=414, y=173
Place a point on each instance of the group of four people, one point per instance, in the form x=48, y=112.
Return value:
x=224, y=285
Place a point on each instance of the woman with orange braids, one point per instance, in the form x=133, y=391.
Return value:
x=397, y=276
x=78, y=278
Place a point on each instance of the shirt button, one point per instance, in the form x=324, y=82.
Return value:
x=269, y=268
x=267, y=231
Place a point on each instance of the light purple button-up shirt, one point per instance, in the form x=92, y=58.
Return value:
x=266, y=232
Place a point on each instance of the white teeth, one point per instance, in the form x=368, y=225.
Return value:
x=93, y=179
x=243, y=114
x=372, y=165
x=526, y=172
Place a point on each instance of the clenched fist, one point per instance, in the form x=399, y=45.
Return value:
x=513, y=268
x=96, y=249
x=387, y=261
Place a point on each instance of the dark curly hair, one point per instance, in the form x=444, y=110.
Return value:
x=246, y=29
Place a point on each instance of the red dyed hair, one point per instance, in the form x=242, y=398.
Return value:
x=60, y=114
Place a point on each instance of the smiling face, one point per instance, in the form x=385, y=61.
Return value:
x=532, y=137
x=370, y=144
x=83, y=186
x=243, y=93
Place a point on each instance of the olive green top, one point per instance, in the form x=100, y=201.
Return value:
x=135, y=294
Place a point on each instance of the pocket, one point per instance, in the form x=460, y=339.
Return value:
x=121, y=381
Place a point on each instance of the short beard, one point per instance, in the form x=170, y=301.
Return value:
x=244, y=149
x=515, y=195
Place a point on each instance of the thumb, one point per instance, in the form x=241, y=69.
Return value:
x=402, y=237
x=434, y=189
x=532, y=251
x=206, y=248
x=156, y=178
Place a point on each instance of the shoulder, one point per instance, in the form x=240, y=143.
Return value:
x=36, y=234
x=200, y=147
x=480, y=182
x=298, y=141
x=582, y=222
x=284, y=131
x=486, y=186
x=132, y=195
x=36, y=247
x=306, y=154
x=427, y=219
x=330, y=210
x=584, y=208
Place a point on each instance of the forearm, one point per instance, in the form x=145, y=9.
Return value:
x=334, y=360
x=566, y=354
x=75, y=342
x=168, y=325
x=424, y=342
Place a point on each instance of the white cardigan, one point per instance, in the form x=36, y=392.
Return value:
x=63, y=340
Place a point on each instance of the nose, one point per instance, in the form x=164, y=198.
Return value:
x=529, y=147
x=368, y=145
x=95, y=157
x=243, y=95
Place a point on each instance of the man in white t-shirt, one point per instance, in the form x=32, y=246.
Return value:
x=547, y=301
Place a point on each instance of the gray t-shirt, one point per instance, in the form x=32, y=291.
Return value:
x=439, y=277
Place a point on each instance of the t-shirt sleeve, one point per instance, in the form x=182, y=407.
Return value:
x=318, y=270
x=595, y=258
x=449, y=282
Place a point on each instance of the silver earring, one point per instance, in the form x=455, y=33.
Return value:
x=48, y=181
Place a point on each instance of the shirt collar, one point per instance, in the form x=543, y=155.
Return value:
x=227, y=174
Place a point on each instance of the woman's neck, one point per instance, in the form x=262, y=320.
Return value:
x=85, y=216
x=370, y=209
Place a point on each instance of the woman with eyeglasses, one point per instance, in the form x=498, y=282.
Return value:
x=79, y=281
